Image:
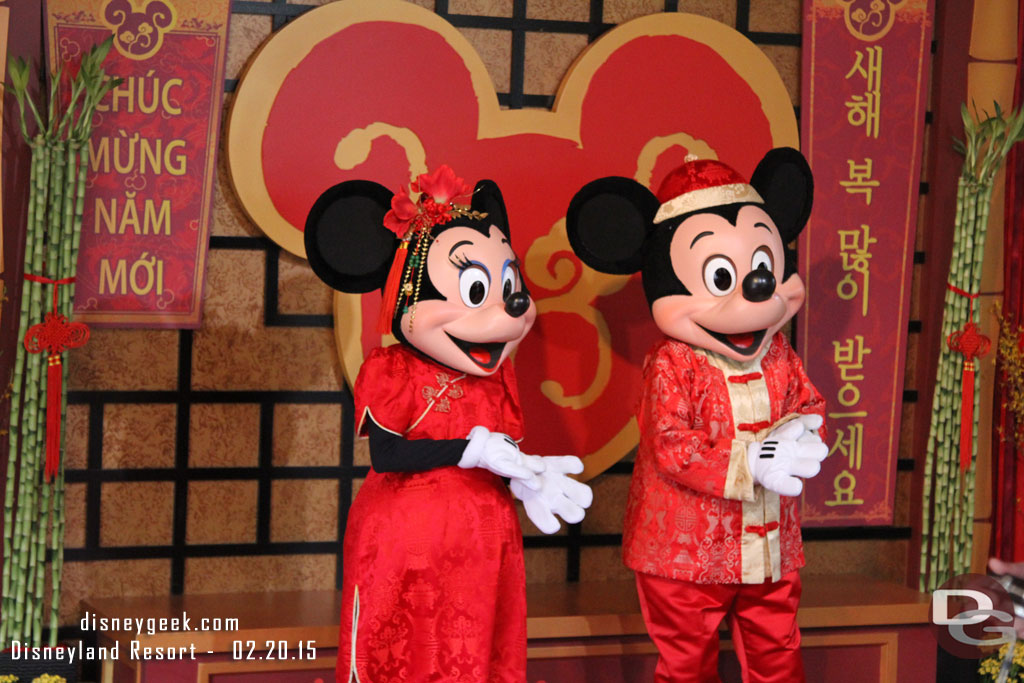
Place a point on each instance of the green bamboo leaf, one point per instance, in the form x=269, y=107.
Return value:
x=101, y=49
x=19, y=70
x=968, y=121
x=1016, y=128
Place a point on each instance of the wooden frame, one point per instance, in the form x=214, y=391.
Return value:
x=208, y=669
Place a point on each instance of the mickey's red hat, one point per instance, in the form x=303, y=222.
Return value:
x=700, y=184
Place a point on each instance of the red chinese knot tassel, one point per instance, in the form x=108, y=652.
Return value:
x=54, y=382
x=54, y=335
x=972, y=344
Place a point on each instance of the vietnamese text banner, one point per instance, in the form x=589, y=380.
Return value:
x=865, y=72
x=146, y=219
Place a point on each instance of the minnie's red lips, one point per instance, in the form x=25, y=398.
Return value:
x=743, y=340
x=485, y=354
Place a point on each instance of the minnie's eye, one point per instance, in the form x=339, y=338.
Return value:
x=473, y=286
x=719, y=275
x=762, y=259
x=508, y=281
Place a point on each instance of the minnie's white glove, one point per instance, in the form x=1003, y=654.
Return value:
x=498, y=453
x=790, y=451
x=558, y=494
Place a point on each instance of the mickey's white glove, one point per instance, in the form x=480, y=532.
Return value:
x=802, y=428
x=498, y=453
x=558, y=495
x=789, y=452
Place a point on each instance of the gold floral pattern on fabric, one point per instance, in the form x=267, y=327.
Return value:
x=447, y=391
x=752, y=416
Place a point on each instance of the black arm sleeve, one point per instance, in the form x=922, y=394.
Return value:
x=392, y=453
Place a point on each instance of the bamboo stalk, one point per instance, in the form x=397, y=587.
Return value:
x=15, y=418
x=953, y=362
x=948, y=501
x=40, y=566
x=928, y=546
x=36, y=564
x=971, y=476
x=30, y=441
x=35, y=575
x=34, y=513
x=966, y=530
x=934, y=552
x=960, y=276
x=68, y=265
x=57, y=553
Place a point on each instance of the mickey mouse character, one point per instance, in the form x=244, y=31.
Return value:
x=434, y=581
x=729, y=422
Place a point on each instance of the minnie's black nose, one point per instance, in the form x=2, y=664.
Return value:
x=517, y=304
x=758, y=285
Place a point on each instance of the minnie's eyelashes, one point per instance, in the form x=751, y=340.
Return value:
x=460, y=261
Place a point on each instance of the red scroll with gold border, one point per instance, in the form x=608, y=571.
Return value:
x=865, y=72
x=145, y=226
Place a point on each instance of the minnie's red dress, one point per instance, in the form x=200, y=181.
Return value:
x=436, y=556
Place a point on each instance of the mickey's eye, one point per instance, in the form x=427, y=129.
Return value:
x=762, y=259
x=508, y=280
x=474, y=283
x=719, y=275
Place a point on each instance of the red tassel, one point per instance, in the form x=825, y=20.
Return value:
x=53, y=402
x=54, y=335
x=966, y=416
x=972, y=344
x=390, y=299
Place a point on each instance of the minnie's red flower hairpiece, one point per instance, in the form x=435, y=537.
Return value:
x=434, y=206
x=410, y=219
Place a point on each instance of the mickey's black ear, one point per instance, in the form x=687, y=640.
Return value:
x=346, y=241
x=487, y=199
x=608, y=222
x=784, y=181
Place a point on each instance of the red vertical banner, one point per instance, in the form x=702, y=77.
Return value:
x=149, y=189
x=865, y=73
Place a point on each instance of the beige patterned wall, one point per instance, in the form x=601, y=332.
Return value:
x=234, y=350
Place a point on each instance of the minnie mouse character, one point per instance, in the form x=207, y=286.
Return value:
x=729, y=422
x=434, y=582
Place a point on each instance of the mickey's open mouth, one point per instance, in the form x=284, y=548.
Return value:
x=744, y=343
x=486, y=354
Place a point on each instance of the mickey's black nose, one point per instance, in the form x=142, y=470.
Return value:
x=758, y=285
x=518, y=303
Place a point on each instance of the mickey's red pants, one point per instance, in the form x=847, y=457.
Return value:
x=683, y=618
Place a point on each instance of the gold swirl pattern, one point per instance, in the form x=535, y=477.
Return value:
x=354, y=148
x=870, y=20
x=548, y=263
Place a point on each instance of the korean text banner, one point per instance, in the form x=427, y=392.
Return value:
x=146, y=218
x=865, y=71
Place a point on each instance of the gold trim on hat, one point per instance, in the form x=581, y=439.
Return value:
x=706, y=198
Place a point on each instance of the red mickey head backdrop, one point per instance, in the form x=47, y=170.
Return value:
x=384, y=90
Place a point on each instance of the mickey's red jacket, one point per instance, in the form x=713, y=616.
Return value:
x=694, y=512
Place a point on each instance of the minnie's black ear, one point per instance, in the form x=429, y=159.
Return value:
x=784, y=181
x=608, y=222
x=346, y=241
x=487, y=199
